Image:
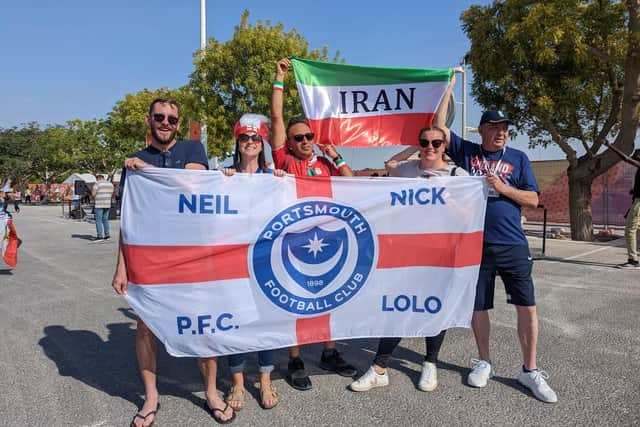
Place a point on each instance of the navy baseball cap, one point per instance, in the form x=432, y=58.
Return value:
x=494, y=116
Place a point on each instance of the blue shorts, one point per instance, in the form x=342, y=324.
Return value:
x=513, y=263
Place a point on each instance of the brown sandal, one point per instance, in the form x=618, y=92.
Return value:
x=269, y=394
x=235, y=397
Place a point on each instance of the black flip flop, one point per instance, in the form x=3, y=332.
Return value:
x=212, y=412
x=144, y=417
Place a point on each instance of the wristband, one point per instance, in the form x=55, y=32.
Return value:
x=278, y=85
x=340, y=163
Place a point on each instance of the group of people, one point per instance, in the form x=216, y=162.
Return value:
x=511, y=183
x=10, y=196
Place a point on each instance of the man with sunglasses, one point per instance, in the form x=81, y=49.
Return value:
x=165, y=152
x=512, y=185
x=293, y=151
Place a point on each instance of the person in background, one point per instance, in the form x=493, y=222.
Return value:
x=102, y=192
x=17, y=199
x=632, y=217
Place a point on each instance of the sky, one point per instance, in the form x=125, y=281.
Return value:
x=75, y=59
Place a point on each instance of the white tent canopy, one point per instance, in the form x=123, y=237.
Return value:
x=86, y=177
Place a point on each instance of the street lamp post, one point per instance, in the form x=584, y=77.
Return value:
x=464, y=98
x=203, y=44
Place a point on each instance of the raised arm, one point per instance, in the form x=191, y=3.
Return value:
x=277, y=102
x=441, y=113
x=403, y=155
x=343, y=168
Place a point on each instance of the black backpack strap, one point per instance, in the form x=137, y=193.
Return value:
x=453, y=171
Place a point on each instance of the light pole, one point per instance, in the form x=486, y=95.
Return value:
x=203, y=44
x=463, y=66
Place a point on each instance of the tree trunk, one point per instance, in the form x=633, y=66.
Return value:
x=580, y=213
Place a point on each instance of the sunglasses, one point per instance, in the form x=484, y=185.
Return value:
x=436, y=143
x=243, y=137
x=159, y=118
x=300, y=137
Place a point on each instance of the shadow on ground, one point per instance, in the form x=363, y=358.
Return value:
x=110, y=365
x=83, y=236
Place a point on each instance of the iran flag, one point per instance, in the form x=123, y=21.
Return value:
x=220, y=265
x=9, y=244
x=360, y=106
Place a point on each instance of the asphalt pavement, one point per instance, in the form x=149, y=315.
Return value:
x=67, y=355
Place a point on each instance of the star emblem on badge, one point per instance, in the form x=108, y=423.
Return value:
x=315, y=245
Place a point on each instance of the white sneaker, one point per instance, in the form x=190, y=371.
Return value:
x=369, y=380
x=535, y=381
x=429, y=377
x=481, y=371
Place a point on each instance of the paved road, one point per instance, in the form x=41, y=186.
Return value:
x=67, y=349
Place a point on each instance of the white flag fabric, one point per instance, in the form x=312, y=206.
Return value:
x=220, y=265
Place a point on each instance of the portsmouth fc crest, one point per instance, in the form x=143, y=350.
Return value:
x=313, y=257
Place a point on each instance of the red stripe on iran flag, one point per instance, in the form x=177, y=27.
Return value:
x=449, y=250
x=315, y=329
x=371, y=131
x=153, y=265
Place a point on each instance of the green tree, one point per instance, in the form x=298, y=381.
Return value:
x=16, y=153
x=568, y=72
x=236, y=77
x=30, y=153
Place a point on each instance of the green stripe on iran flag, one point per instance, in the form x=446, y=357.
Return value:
x=359, y=106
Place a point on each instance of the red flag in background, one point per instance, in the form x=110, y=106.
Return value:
x=9, y=243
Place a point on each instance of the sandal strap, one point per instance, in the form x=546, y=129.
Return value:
x=236, y=394
x=271, y=390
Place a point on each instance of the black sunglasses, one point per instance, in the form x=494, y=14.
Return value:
x=166, y=159
x=300, y=137
x=436, y=143
x=243, y=137
x=173, y=120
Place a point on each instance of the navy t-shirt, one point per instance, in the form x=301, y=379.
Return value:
x=179, y=155
x=502, y=222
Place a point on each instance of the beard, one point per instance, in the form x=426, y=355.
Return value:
x=159, y=139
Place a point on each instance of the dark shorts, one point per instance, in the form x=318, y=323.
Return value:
x=513, y=264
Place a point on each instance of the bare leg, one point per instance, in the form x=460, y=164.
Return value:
x=238, y=384
x=528, y=334
x=265, y=384
x=481, y=331
x=294, y=352
x=209, y=370
x=146, y=352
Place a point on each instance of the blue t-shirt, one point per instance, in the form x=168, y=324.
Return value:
x=179, y=155
x=502, y=222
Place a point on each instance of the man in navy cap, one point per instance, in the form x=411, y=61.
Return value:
x=512, y=185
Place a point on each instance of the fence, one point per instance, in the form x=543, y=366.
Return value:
x=610, y=193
